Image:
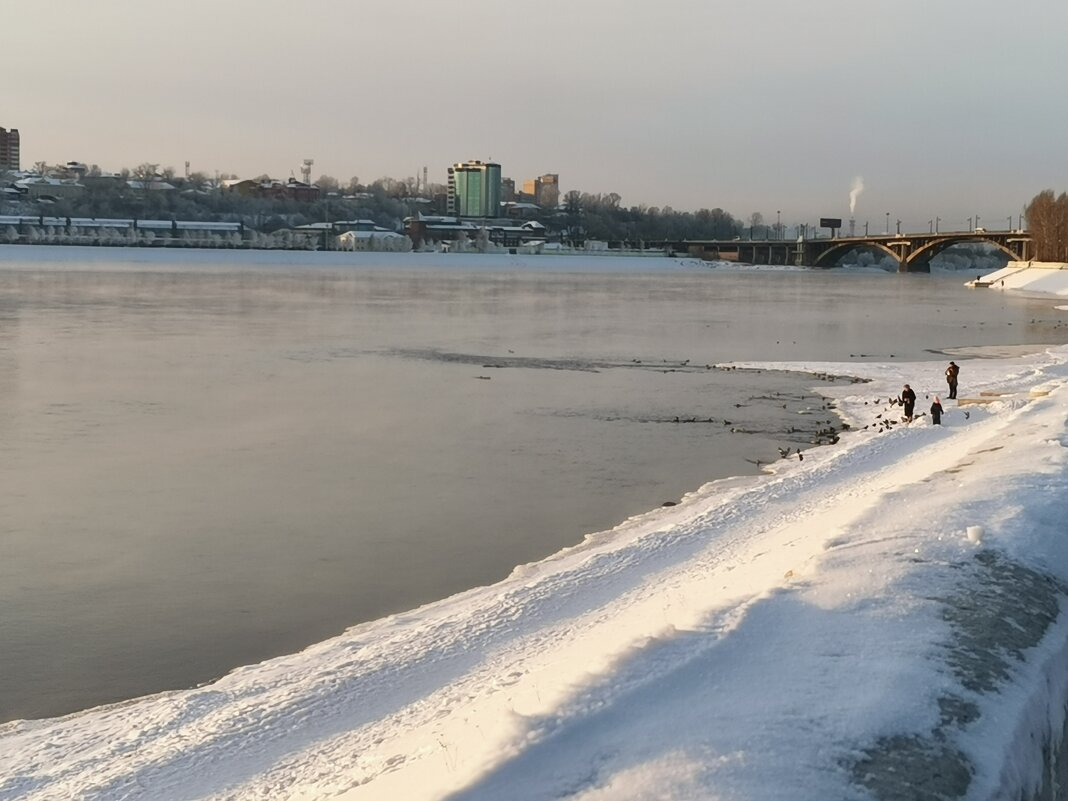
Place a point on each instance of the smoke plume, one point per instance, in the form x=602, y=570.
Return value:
x=854, y=193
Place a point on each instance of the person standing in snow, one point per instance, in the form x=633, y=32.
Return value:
x=936, y=411
x=908, y=402
x=951, y=379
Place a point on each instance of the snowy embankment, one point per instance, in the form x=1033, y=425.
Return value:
x=886, y=612
x=1047, y=278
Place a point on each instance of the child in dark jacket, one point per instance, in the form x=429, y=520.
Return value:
x=936, y=411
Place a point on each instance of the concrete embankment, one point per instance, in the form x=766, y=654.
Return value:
x=1047, y=277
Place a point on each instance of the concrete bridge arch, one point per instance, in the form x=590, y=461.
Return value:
x=919, y=260
x=830, y=256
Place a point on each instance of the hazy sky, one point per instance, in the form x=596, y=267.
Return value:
x=944, y=107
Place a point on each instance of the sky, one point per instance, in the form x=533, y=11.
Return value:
x=888, y=610
x=948, y=109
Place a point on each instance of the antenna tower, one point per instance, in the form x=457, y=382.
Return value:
x=305, y=171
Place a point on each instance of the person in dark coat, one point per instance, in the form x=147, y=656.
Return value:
x=951, y=379
x=936, y=411
x=908, y=402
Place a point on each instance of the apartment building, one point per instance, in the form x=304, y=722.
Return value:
x=474, y=189
x=545, y=190
x=9, y=149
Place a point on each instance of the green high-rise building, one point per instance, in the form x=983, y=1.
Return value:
x=475, y=189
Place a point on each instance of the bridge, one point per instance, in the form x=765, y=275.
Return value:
x=911, y=252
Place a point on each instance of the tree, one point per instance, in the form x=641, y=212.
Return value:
x=1047, y=220
x=573, y=214
x=328, y=183
x=145, y=172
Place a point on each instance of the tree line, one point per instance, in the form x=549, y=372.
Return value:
x=1047, y=220
x=589, y=216
x=386, y=201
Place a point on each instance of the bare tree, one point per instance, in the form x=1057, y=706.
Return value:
x=1047, y=220
x=328, y=183
x=573, y=214
x=145, y=172
x=1061, y=228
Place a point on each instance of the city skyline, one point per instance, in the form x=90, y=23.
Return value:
x=756, y=107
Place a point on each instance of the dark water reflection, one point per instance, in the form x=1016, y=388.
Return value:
x=209, y=464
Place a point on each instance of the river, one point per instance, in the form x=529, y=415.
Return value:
x=215, y=458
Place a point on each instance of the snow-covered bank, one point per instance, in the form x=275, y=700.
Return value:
x=1047, y=278
x=822, y=631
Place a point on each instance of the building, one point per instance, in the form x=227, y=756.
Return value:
x=474, y=189
x=271, y=188
x=379, y=240
x=38, y=187
x=9, y=149
x=545, y=191
x=428, y=230
x=507, y=190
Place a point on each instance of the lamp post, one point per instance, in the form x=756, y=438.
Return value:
x=1010, y=223
x=976, y=221
x=937, y=221
x=865, y=228
x=778, y=224
x=888, y=223
x=969, y=224
x=899, y=227
x=930, y=226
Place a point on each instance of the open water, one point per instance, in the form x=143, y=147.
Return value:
x=210, y=459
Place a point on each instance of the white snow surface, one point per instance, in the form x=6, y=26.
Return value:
x=758, y=641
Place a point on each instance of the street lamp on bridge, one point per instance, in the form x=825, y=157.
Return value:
x=888, y=223
x=778, y=224
x=937, y=221
x=969, y=223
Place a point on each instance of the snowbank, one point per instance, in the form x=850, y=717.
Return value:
x=1047, y=278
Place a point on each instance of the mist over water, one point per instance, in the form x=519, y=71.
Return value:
x=209, y=461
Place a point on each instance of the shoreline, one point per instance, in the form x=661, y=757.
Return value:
x=749, y=603
x=621, y=613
